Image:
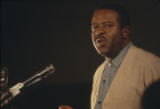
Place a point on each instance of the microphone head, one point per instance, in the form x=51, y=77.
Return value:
x=47, y=71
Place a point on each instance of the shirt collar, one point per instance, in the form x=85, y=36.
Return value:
x=118, y=59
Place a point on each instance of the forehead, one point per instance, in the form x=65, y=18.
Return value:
x=104, y=15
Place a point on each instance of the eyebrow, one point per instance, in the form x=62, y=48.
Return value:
x=102, y=22
x=106, y=22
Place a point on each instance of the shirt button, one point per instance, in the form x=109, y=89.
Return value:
x=110, y=64
x=99, y=102
x=104, y=81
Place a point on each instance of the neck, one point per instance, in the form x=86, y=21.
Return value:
x=115, y=52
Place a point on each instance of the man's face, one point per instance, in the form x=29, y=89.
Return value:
x=107, y=35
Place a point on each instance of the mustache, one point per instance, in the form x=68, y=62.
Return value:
x=100, y=36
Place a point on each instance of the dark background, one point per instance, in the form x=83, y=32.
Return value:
x=36, y=33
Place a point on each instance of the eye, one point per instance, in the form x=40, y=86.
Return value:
x=94, y=27
x=108, y=25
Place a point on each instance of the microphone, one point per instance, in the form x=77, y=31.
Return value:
x=15, y=90
x=40, y=75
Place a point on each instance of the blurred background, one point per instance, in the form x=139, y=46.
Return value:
x=36, y=33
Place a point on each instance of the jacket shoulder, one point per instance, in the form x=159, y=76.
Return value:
x=142, y=56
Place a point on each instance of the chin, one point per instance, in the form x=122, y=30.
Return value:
x=103, y=53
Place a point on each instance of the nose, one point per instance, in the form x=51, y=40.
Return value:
x=99, y=31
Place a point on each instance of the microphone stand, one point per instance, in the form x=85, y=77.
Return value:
x=15, y=90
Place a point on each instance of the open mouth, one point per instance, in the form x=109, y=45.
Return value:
x=100, y=42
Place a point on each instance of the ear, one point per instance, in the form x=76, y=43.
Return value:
x=126, y=31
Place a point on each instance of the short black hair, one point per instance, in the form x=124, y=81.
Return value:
x=123, y=18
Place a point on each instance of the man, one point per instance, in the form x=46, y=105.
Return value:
x=119, y=82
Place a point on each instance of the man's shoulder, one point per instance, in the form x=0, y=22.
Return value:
x=143, y=53
x=139, y=55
